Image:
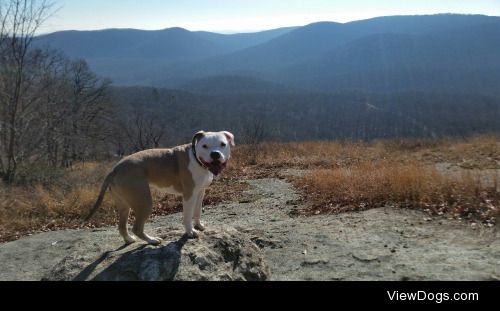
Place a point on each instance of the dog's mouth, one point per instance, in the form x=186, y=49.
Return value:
x=215, y=167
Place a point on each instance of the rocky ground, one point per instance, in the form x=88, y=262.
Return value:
x=261, y=238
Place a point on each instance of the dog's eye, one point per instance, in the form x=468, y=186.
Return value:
x=223, y=145
x=205, y=146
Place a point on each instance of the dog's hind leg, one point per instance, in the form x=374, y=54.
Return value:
x=122, y=225
x=143, y=208
x=123, y=213
x=134, y=195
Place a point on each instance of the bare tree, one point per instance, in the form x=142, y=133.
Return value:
x=85, y=105
x=254, y=130
x=19, y=20
x=143, y=130
x=54, y=94
x=53, y=111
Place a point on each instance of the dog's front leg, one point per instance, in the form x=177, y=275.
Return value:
x=197, y=211
x=189, y=206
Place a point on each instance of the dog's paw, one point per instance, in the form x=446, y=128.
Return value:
x=199, y=227
x=154, y=241
x=130, y=239
x=192, y=235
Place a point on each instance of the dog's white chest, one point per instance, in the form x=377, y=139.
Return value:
x=202, y=177
x=206, y=180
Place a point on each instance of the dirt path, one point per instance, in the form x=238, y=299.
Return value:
x=378, y=244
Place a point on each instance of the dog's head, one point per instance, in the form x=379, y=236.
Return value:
x=213, y=149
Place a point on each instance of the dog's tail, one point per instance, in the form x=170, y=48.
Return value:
x=104, y=187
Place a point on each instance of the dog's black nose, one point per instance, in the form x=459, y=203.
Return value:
x=215, y=155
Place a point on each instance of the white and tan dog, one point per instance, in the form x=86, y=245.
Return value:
x=184, y=170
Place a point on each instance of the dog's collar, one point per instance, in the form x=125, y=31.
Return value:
x=193, y=148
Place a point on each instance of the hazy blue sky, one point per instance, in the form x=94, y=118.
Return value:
x=242, y=16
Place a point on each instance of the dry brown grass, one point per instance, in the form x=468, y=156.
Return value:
x=345, y=176
x=478, y=152
x=28, y=209
x=414, y=185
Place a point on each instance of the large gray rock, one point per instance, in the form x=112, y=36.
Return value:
x=222, y=254
x=219, y=254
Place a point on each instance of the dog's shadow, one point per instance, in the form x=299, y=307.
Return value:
x=142, y=263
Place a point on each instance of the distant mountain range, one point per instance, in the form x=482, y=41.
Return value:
x=438, y=53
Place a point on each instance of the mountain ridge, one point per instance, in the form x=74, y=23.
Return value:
x=404, y=48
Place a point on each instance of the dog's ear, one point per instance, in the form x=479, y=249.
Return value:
x=230, y=138
x=198, y=136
